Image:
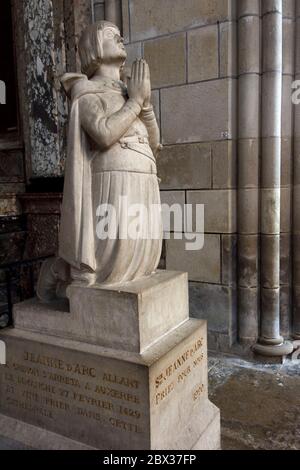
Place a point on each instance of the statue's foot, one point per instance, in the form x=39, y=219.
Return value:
x=83, y=276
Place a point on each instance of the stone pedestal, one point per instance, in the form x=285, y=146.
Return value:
x=130, y=373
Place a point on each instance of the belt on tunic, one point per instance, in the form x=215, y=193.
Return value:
x=135, y=139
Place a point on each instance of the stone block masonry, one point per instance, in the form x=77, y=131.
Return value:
x=137, y=381
x=192, y=52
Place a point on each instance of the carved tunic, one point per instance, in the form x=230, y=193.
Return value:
x=119, y=170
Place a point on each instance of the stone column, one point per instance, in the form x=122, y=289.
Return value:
x=113, y=12
x=286, y=167
x=98, y=10
x=270, y=342
x=296, y=193
x=248, y=167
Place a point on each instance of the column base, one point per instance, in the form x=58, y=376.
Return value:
x=272, y=350
x=271, y=341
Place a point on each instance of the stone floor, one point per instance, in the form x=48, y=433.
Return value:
x=260, y=404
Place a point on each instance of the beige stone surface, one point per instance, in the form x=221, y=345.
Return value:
x=216, y=304
x=249, y=109
x=170, y=392
x=134, y=51
x=202, y=265
x=229, y=258
x=248, y=170
x=207, y=112
x=125, y=21
x=296, y=196
x=285, y=310
x=248, y=205
x=271, y=127
x=128, y=317
x=287, y=106
x=166, y=58
x=270, y=167
x=288, y=46
x=270, y=260
x=285, y=259
x=249, y=307
x=37, y=438
x=99, y=10
x=270, y=222
x=186, y=166
x=288, y=8
x=248, y=266
x=171, y=200
x=272, y=61
x=272, y=55
x=224, y=162
x=296, y=266
x=248, y=7
x=219, y=209
x=249, y=44
x=203, y=53
x=249, y=92
x=285, y=210
x=286, y=161
x=155, y=104
x=228, y=49
x=108, y=399
x=158, y=17
x=297, y=52
x=211, y=439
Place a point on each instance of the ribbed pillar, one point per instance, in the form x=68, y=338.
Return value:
x=296, y=192
x=248, y=167
x=270, y=342
x=113, y=12
x=286, y=168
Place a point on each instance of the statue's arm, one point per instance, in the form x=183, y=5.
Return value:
x=148, y=117
x=106, y=130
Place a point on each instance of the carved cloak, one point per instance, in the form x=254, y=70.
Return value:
x=76, y=235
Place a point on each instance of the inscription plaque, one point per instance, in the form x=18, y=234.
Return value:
x=103, y=399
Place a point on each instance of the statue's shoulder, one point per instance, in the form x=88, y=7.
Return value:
x=77, y=85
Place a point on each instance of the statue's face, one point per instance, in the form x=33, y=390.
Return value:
x=112, y=45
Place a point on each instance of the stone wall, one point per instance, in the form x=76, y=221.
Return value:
x=206, y=67
x=190, y=47
x=287, y=150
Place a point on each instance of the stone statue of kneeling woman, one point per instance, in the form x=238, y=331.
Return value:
x=113, y=141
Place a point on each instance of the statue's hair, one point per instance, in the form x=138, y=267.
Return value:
x=90, y=46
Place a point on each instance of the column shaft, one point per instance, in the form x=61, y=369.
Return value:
x=270, y=342
x=248, y=167
x=113, y=12
x=296, y=192
x=286, y=168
